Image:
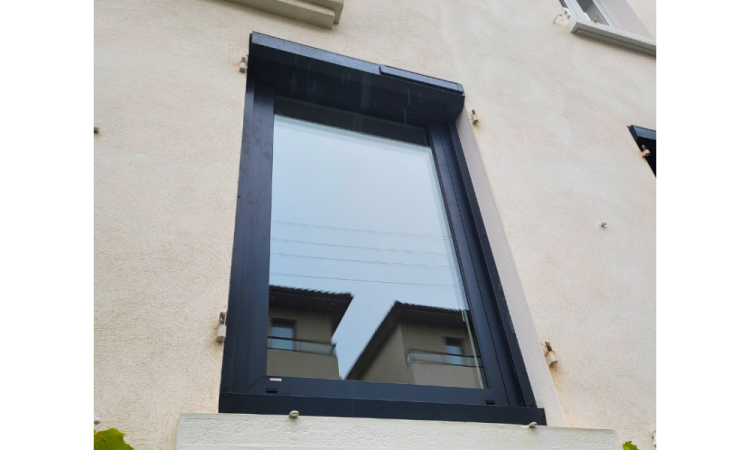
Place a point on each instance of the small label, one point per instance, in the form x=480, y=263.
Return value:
x=274, y=379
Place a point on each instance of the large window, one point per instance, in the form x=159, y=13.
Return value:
x=362, y=280
x=358, y=213
x=613, y=13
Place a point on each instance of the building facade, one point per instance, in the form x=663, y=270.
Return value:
x=563, y=188
x=417, y=344
x=301, y=325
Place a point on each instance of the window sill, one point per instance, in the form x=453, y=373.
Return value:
x=200, y=431
x=612, y=35
x=323, y=13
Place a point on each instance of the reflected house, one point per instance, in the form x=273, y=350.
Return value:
x=417, y=344
x=301, y=323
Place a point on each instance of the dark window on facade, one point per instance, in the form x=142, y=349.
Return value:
x=645, y=138
x=454, y=346
x=282, y=328
x=358, y=248
x=282, y=334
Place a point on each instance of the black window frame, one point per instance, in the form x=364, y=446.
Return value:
x=645, y=137
x=285, y=69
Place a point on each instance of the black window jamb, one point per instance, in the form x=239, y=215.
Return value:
x=278, y=68
x=645, y=138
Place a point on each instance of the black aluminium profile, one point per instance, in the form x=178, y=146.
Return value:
x=327, y=79
x=475, y=281
x=645, y=137
x=249, y=277
x=356, y=86
x=514, y=367
x=334, y=407
x=642, y=134
x=509, y=333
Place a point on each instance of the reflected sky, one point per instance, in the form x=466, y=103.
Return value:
x=360, y=214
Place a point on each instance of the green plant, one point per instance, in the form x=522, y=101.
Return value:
x=110, y=439
x=629, y=446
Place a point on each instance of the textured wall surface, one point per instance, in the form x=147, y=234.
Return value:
x=551, y=158
x=238, y=431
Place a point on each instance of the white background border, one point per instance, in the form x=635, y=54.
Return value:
x=46, y=180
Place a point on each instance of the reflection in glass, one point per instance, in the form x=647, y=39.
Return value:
x=454, y=349
x=364, y=278
x=283, y=330
x=592, y=12
x=301, y=325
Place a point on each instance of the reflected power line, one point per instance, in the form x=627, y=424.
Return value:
x=359, y=230
x=391, y=250
x=438, y=286
x=428, y=266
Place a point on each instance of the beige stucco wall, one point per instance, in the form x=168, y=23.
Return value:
x=551, y=159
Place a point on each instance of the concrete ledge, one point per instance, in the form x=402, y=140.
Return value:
x=201, y=431
x=612, y=35
x=323, y=13
x=336, y=5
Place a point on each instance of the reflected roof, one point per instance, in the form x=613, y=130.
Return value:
x=333, y=304
x=399, y=313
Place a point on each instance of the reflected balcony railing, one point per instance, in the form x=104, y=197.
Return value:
x=420, y=356
x=299, y=345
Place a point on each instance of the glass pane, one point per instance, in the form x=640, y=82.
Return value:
x=282, y=329
x=453, y=346
x=362, y=258
x=454, y=349
x=592, y=12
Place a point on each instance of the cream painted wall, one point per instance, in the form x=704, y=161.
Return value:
x=551, y=157
x=646, y=11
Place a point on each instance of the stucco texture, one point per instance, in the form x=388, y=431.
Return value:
x=246, y=431
x=552, y=159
